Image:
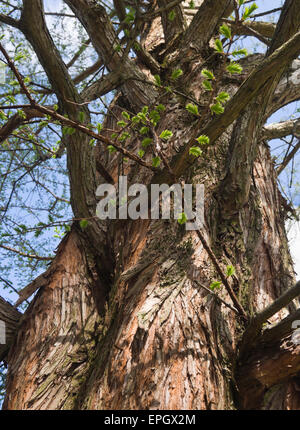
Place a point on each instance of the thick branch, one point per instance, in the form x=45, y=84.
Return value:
x=274, y=359
x=281, y=129
x=288, y=89
x=266, y=71
x=288, y=158
x=176, y=26
x=104, y=39
x=204, y=23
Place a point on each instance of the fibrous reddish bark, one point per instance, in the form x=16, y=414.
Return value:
x=123, y=322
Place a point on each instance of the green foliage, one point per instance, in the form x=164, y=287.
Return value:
x=171, y=15
x=176, y=74
x=166, y=134
x=225, y=31
x=147, y=141
x=157, y=80
x=182, y=219
x=234, y=68
x=249, y=11
x=208, y=74
x=230, y=270
x=203, y=139
x=156, y=161
x=219, y=46
x=222, y=97
x=239, y=52
x=207, y=85
x=215, y=285
x=217, y=108
x=192, y=109
x=195, y=151
x=126, y=115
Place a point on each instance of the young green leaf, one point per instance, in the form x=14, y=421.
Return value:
x=230, y=270
x=172, y=15
x=111, y=149
x=81, y=116
x=240, y=52
x=141, y=153
x=84, y=223
x=166, y=134
x=207, y=85
x=223, y=97
x=192, y=108
x=144, y=130
x=225, y=31
x=182, y=219
x=217, y=108
x=249, y=11
x=234, y=68
x=154, y=116
x=157, y=80
x=156, y=161
x=126, y=115
x=195, y=151
x=176, y=74
x=121, y=123
x=207, y=74
x=215, y=284
x=160, y=108
x=203, y=139
x=146, y=142
x=219, y=46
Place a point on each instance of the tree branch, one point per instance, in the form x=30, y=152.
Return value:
x=97, y=24
x=281, y=129
x=274, y=359
x=288, y=89
x=204, y=24
x=265, y=71
x=172, y=28
x=288, y=158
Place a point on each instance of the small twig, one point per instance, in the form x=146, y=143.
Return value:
x=216, y=296
x=24, y=254
x=255, y=326
x=222, y=276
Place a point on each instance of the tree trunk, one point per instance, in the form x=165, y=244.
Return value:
x=147, y=335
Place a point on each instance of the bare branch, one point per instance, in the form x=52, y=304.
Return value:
x=25, y=254
x=172, y=28
x=267, y=69
x=288, y=158
x=101, y=32
x=204, y=23
x=281, y=129
x=288, y=89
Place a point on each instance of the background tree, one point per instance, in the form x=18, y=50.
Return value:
x=143, y=314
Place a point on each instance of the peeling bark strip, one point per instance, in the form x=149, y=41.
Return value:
x=124, y=317
x=55, y=340
x=274, y=359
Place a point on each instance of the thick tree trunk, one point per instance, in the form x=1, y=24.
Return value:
x=162, y=341
x=147, y=335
